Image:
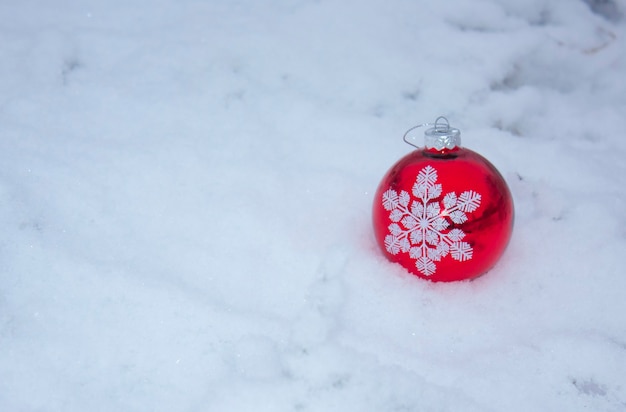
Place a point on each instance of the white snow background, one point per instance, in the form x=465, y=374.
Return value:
x=186, y=191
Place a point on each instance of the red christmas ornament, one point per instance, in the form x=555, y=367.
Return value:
x=443, y=212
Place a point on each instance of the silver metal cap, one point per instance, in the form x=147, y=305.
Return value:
x=442, y=136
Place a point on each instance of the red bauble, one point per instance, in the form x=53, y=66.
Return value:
x=443, y=212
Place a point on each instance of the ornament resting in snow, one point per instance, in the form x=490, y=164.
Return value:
x=443, y=212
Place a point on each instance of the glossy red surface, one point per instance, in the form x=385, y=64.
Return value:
x=444, y=216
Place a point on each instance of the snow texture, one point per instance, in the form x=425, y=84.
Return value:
x=186, y=192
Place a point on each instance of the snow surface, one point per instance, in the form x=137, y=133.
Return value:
x=186, y=190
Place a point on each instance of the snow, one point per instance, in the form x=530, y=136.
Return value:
x=186, y=191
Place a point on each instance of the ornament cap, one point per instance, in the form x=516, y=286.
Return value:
x=442, y=136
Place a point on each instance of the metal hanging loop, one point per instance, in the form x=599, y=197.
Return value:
x=442, y=128
x=413, y=128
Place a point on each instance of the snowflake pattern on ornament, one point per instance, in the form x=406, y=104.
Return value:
x=420, y=225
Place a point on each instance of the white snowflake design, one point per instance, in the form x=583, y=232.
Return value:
x=420, y=226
